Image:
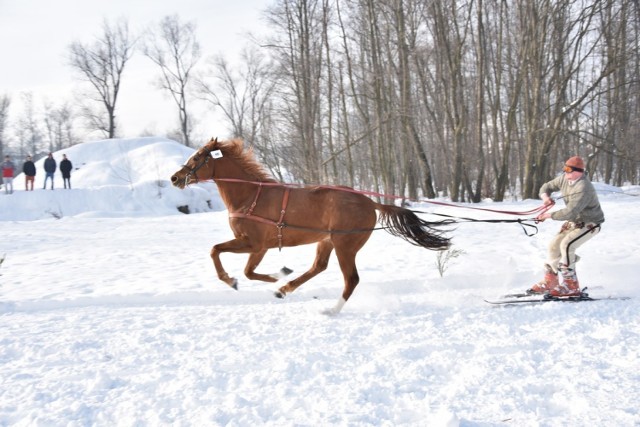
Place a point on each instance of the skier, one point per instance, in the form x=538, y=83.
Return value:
x=583, y=217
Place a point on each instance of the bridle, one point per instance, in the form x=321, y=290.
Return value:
x=193, y=171
x=207, y=155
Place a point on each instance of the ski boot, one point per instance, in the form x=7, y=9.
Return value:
x=569, y=286
x=549, y=282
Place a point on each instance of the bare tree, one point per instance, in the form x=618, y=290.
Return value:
x=5, y=103
x=297, y=50
x=58, y=122
x=241, y=94
x=28, y=131
x=483, y=98
x=451, y=27
x=503, y=95
x=617, y=139
x=102, y=64
x=409, y=128
x=563, y=91
x=174, y=48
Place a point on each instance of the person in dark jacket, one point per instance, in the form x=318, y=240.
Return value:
x=29, y=171
x=65, y=169
x=49, y=168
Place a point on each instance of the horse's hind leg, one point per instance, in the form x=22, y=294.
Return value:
x=347, y=261
x=253, y=262
x=346, y=249
x=323, y=251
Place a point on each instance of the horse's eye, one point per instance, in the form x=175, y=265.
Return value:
x=195, y=159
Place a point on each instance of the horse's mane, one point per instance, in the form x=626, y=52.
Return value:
x=244, y=158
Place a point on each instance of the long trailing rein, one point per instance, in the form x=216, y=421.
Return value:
x=527, y=224
x=529, y=228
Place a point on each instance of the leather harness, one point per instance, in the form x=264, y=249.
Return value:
x=279, y=223
x=249, y=213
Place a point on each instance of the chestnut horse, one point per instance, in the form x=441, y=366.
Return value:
x=265, y=214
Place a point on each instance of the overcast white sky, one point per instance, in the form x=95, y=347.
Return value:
x=35, y=34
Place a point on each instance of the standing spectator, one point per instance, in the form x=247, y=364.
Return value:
x=7, y=174
x=49, y=168
x=29, y=171
x=65, y=169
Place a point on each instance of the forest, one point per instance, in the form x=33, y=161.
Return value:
x=461, y=99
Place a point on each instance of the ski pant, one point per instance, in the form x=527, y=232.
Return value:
x=562, y=249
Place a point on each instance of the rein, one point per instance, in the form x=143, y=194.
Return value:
x=528, y=228
x=539, y=209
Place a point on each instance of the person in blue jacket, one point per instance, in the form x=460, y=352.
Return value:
x=49, y=169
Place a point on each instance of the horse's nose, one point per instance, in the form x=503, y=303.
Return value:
x=174, y=179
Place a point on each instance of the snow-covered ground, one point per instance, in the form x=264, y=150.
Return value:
x=111, y=314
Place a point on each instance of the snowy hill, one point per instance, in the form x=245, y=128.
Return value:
x=120, y=177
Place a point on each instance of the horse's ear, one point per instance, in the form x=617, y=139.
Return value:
x=212, y=143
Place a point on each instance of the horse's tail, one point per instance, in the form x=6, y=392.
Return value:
x=406, y=224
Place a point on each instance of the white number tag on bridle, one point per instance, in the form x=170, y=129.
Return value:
x=216, y=154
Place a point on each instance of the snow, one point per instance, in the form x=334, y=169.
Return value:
x=111, y=314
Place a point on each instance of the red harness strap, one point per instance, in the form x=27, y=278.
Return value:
x=249, y=213
x=539, y=209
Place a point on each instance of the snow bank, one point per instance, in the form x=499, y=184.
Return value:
x=112, y=178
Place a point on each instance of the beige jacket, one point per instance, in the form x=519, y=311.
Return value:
x=580, y=198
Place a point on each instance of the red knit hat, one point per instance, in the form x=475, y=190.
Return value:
x=576, y=163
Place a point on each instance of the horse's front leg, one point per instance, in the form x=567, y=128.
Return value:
x=235, y=246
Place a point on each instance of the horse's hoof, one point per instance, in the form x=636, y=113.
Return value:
x=285, y=271
x=234, y=285
x=335, y=310
x=279, y=294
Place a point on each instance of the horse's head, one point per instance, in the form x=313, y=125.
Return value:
x=199, y=167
